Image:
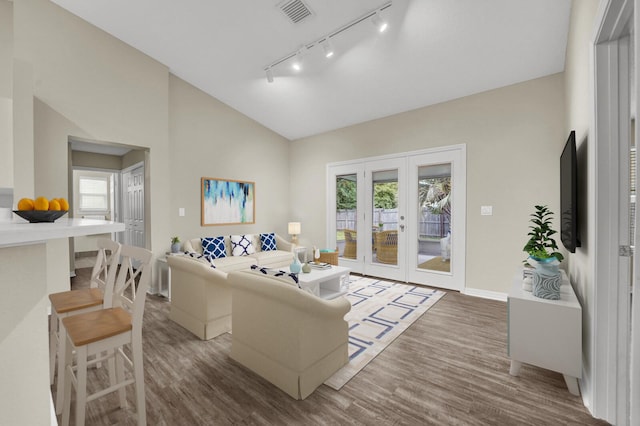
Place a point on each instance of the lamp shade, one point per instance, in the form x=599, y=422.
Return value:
x=294, y=228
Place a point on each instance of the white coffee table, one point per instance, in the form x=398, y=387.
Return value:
x=326, y=283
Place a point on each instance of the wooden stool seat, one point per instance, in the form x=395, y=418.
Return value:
x=75, y=300
x=91, y=327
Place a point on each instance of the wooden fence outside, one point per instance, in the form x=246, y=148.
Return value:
x=431, y=225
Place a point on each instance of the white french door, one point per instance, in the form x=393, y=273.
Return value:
x=437, y=183
x=384, y=233
x=392, y=217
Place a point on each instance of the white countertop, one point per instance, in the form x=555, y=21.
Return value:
x=19, y=231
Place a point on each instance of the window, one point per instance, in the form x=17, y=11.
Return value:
x=94, y=193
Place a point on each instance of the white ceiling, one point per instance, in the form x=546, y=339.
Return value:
x=433, y=51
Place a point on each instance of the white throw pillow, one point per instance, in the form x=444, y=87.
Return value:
x=241, y=245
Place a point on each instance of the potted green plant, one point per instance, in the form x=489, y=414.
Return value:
x=541, y=245
x=175, y=244
x=543, y=255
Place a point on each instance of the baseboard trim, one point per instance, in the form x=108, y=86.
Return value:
x=485, y=294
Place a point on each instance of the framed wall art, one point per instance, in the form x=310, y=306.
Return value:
x=227, y=202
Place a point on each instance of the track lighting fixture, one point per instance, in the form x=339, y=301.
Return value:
x=327, y=48
x=325, y=41
x=378, y=22
x=297, y=62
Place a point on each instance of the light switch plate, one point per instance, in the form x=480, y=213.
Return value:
x=486, y=210
x=181, y=211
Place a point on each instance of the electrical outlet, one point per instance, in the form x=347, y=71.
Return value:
x=486, y=210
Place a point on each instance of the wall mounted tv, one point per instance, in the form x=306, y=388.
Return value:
x=569, y=218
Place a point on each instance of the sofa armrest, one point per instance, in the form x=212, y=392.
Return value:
x=198, y=289
x=282, y=244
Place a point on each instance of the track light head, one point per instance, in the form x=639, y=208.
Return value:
x=327, y=47
x=269, y=72
x=378, y=22
x=297, y=61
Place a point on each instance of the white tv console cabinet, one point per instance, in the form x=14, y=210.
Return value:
x=546, y=333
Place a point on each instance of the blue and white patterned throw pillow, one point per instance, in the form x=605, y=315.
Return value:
x=201, y=258
x=214, y=247
x=241, y=245
x=277, y=273
x=268, y=242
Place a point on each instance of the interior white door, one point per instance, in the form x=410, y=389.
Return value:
x=133, y=206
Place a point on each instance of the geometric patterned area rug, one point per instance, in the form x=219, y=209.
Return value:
x=380, y=312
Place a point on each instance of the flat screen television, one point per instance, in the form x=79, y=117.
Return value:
x=569, y=195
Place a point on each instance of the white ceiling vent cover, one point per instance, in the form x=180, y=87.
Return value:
x=296, y=10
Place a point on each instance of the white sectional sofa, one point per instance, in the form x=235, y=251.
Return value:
x=288, y=336
x=282, y=256
x=201, y=295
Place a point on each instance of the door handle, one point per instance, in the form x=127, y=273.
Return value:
x=402, y=228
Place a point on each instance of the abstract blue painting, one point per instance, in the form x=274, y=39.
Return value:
x=227, y=202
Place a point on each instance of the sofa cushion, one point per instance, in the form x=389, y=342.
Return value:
x=241, y=245
x=234, y=263
x=273, y=258
x=214, y=247
x=285, y=276
x=268, y=242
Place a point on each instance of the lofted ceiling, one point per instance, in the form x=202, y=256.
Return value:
x=433, y=51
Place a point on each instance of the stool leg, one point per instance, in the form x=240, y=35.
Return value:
x=62, y=356
x=81, y=388
x=122, y=393
x=53, y=345
x=66, y=375
x=138, y=374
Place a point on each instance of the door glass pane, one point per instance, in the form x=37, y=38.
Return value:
x=434, y=217
x=384, y=232
x=346, y=214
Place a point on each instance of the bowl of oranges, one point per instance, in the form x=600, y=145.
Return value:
x=42, y=209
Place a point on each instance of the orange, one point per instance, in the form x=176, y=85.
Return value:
x=64, y=204
x=25, y=204
x=41, y=203
x=54, y=205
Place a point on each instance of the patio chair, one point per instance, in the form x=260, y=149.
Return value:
x=387, y=247
x=350, y=244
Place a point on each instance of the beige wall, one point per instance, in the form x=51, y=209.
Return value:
x=6, y=90
x=579, y=110
x=96, y=161
x=210, y=139
x=514, y=136
x=6, y=48
x=107, y=89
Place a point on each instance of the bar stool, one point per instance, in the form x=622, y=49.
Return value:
x=74, y=302
x=107, y=331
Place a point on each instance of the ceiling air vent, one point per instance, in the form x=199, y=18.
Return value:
x=295, y=10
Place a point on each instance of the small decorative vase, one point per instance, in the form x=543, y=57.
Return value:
x=175, y=248
x=295, y=266
x=306, y=268
x=546, y=278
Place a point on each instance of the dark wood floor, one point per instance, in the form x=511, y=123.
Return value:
x=449, y=368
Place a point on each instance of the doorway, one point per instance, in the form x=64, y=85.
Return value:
x=102, y=168
x=614, y=382
x=393, y=216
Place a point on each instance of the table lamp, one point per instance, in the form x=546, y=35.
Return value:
x=294, y=231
